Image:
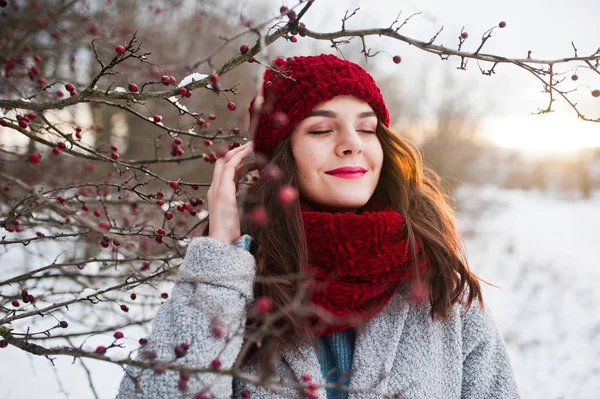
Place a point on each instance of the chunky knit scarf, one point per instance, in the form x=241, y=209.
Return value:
x=358, y=262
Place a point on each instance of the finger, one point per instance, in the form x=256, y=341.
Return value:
x=228, y=171
x=233, y=152
x=221, y=162
x=244, y=169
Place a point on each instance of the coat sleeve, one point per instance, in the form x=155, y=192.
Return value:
x=214, y=284
x=487, y=372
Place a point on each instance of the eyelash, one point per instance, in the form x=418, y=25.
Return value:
x=319, y=132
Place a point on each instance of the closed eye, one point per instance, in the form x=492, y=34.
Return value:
x=317, y=132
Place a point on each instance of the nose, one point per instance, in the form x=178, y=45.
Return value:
x=349, y=141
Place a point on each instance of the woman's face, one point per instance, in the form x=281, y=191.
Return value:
x=339, y=133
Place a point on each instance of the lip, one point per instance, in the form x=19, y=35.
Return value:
x=355, y=175
x=347, y=170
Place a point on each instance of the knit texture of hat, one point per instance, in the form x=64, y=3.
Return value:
x=300, y=83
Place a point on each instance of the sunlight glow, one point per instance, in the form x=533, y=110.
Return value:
x=543, y=134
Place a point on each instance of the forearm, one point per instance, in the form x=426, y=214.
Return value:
x=206, y=310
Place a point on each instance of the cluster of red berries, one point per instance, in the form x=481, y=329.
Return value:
x=167, y=80
x=309, y=391
x=60, y=145
x=15, y=225
x=176, y=150
x=71, y=89
x=24, y=119
x=181, y=349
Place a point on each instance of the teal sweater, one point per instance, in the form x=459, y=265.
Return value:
x=334, y=351
x=335, y=357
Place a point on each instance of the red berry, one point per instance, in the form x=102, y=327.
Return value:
x=245, y=394
x=464, y=35
x=60, y=93
x=293, y=39
x=159, y=202
x=397, y=59
x=263, y=305
x=180, y=351
x=174, y=185
x=244, y=48
x=200, y=395
x=208, y=142
x=133, y=87
x=287, y=195
x=161, y=231
x=69, y=87
x=63, y=324
x=168, y=215
x=157, y=118
x=23, y=124
x=231, y=106
x=283, y=9
x=143, y=341
x=272, y=173
x=118, y=335
x=125, y=308
x=120, y=49
x=101, y=350
x=104, y=225
x=280, y=120
x=217, y=328
x=502, y=24
x=3, y=122
x=164, y=295
x=55, y=150
x=3, y=343
x=184, y=91
x=165, y=80
x=216, y=363
x=15, y=303
x=212, y=117
x=35, y=158
x=114, y=156
x=306, y=377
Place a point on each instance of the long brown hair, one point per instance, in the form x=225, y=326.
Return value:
x=281, y=254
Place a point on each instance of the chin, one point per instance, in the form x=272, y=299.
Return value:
x=342, y=205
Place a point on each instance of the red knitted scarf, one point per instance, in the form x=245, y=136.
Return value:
x=358, y=262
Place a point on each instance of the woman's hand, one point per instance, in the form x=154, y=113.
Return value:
x=224, y=216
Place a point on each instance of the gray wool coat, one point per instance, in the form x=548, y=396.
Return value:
x=400, y=352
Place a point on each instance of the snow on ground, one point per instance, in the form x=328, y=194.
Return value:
x=541, y=251
x=544, y=254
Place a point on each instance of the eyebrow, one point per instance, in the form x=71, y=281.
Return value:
x=330, y=114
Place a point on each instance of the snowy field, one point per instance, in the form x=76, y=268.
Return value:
x=541, y=251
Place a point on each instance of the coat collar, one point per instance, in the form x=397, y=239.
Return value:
x=374, y=351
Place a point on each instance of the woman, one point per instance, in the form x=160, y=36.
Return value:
x=358, y=289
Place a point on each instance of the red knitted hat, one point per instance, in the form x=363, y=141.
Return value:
x=297, y=85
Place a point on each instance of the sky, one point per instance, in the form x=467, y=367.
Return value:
x=509, y=99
